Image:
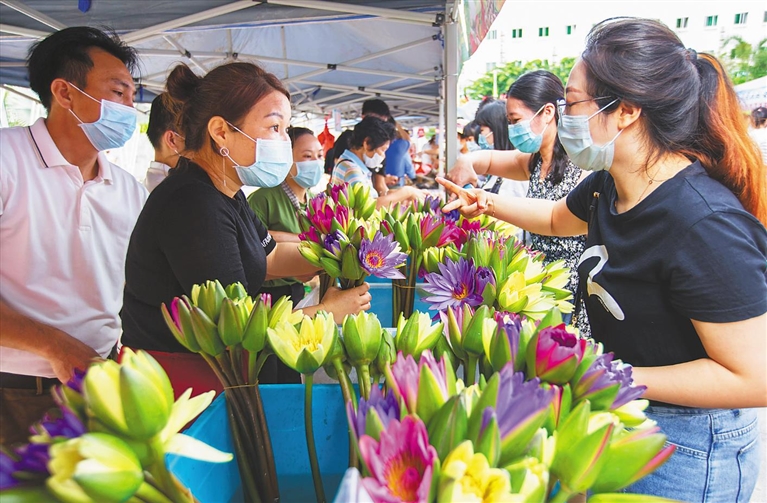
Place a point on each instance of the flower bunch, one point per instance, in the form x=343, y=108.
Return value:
x=108, y=438
x=551, y=416
x=222, y=325
x=498, y=271
x=340, y=238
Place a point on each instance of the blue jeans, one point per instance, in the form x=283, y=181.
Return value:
x=716, y=458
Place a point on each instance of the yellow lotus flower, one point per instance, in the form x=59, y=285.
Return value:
x=306, y=348
x=467, y=476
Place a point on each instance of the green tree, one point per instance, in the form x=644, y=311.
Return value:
x=507, y=74
x=743, y=61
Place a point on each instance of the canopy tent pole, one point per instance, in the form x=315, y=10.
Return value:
x=373, y=90
x=450, y=103
x=185, y=53
x=24, y=32
x=34, y=14
x=398, y=15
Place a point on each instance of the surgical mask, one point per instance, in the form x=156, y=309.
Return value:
x=114, y=127
x=576, y=139
x=309, y=173
x=522, y=137
x=375, y=161
x=274, y=159
x=483, y=144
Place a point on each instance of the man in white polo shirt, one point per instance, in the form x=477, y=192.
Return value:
x=66, y=215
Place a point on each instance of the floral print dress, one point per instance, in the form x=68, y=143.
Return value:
x=569, y=249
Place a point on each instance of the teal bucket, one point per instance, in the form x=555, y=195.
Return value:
x=284, y=409
x=381, y=291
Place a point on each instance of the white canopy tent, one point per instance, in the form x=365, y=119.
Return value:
x=332, y=55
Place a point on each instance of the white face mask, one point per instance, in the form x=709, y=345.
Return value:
x=373, y=162
x=575, y=135
x=272, y=164
x=114, y=127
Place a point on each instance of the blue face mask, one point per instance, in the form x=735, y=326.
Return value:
x=522, y=137
x=309, y=173
x=483, y=144
x=114, y=127
x=575, y=135
x=272, y=164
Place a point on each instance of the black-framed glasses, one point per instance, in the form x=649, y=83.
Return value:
x=562, y=104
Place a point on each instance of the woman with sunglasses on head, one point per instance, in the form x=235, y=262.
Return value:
x=539, y=158
x=197, y=225
x=676, y=256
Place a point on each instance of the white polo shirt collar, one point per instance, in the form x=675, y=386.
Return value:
x=52, y=157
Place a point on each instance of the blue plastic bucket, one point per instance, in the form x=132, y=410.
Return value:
x=382, y=301
x=284, y=409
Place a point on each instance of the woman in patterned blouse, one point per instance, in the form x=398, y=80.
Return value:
x=531, y=109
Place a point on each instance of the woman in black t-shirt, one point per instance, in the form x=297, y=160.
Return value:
x=197, y=225
x=675, y=267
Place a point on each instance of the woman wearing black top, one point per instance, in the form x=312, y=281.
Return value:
x=675, y=267
x=197, y=225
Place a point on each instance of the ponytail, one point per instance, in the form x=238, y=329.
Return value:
x=723, y=145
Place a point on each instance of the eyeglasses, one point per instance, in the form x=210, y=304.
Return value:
x=562, y=104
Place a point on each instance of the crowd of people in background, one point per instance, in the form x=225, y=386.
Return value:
x=640, y=175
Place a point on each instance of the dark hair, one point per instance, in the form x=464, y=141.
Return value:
x=534, y=90
x=64, y=54
x=759, y=116
x=471, y=129
x=373, y=129
x=688, y=103
x=227, y=91
x=485, y=101
x=161, y=119
x=493, y=116
x=297, y=132
x=375, y=106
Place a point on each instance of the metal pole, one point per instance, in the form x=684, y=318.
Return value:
x=450, y=103
x=24, y=32
x=34, y=14
x=400, y=15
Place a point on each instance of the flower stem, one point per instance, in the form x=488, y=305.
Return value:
x=243, y=461
x=151, y=494
x=363, y=375
x=348, y=394
x=162, y=475
x=316, y=477
x=471, y=370
x=562, y=495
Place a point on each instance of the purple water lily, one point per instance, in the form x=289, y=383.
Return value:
x=381, y=257
x=385, y=407
x=333, y=243
x=557, y=354
x=66, y=426
x=454, y=285
x=7, y=468
x=485, y=276
x=521, y=409
x=33, y=458
x=76, y=383
x=607, y=384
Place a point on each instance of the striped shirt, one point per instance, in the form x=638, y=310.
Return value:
x=350, y=169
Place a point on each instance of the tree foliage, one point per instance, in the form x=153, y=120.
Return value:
x=510, y=72
x=743, y=61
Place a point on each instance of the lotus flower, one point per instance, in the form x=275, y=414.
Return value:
x=416, y=334
x=374, y=415
x=607, y=384
x=630, y=457
x=333, y=242
x=33, y=458
x=52, y=429
x=96, y=467
x=503, y=345
x=401, y=464
x=522, y=408
x=362, y=337
x=381, y=256
x=529, y=478
x=553, y=354
x=7, y=468
x=311, y=235
x=455, y=284
x=406, y=374
x=306, y=348
x=424, y=386
x=467, y=476
x=133, y=399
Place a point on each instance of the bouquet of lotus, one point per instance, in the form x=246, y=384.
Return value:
x=228, y=329
x=551, y=416
x=108, y=439
x=500, y=272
